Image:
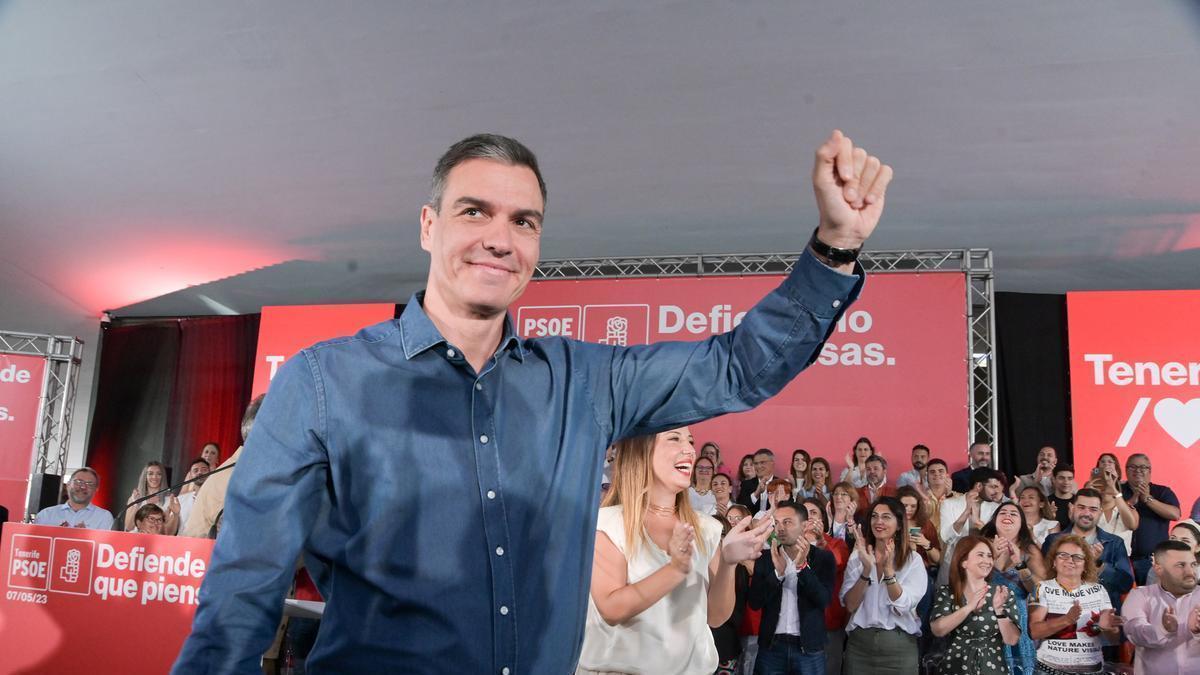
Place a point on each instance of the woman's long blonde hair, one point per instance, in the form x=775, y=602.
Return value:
x=632, y=475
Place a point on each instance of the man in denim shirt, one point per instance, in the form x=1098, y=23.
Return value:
x=441, y=475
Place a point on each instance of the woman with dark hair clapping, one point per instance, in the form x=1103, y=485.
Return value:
x=885, y=580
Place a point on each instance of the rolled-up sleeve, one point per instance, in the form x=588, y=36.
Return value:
x=854, y=569
x=270, y=507
x=913, y=582
x=670, y=384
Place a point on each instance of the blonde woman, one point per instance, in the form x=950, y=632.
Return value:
x=152, y=479
x=661, y=575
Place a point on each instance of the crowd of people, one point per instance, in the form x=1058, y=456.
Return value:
x=970, y=572
x=153, y=507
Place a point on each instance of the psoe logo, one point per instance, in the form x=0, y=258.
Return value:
x=617, y=325
x=29, y=564
x=548, y=320
x=71, y=566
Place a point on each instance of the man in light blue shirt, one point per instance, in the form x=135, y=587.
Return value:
x=361, y=438
x=918, y=476
x=78, y=510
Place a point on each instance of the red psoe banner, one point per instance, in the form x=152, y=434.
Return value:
x=1135, y=382
x=20, y=396
x=284, y=331
x=895, y=369
x=100, y=601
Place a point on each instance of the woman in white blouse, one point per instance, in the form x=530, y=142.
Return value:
x=885, y=579
x=661, y=573
x=1116, y=516
x=1036, y=507
x=856, y=462
x=700, y=494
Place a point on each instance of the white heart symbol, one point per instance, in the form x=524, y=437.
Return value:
x=1180, y=420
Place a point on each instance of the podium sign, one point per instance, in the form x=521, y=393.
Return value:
x=103, y=601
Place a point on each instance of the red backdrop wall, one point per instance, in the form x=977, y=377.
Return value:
x=895, y=369
x=1135, y=381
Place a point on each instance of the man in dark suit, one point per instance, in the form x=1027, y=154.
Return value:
x=792, y=587
x=978, y=455
x=753, y=493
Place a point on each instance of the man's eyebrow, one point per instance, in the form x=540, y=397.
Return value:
x=485, y=205
x=528, y=213
x=481, y=204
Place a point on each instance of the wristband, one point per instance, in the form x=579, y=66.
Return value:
x=840, y=256
x=1003, y=615
x=889, y=580
x=865, y=578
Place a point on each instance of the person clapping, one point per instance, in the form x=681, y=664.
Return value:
x=661, y=574
x=976, y=613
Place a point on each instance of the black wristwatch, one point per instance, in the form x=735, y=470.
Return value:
x=840, y=256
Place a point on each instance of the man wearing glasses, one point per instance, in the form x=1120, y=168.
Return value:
x=78, y=510
x=1156, y=505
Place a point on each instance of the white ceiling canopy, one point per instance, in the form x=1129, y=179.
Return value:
x=190, y=158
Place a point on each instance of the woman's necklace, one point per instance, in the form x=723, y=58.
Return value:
x=663, y=511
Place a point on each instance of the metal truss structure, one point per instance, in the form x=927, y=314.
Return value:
x=976, y=264
x=57, y=403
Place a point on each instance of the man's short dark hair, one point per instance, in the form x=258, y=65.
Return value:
x=919, y=446
x=981, y=476
x=789, y=504
x=935, y=460
x=1086, y=492
x=1061, y=467
x=482, y=146
x=877, y=458
x=1171, y=545
x=764, y=451
x=198, y=460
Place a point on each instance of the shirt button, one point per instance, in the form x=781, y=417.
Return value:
x=483, y=439
x=504, y=610
x=499, y=550
x=837, y=303
x=504, y=670
x=478, y=386
x=451, y=353
x=491, y=494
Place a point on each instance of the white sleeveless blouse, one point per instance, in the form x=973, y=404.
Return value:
x=670, y=636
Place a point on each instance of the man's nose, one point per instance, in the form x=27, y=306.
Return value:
x=497, y=238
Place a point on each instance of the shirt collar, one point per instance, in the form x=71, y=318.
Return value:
x=417, y=332
x=67, y=505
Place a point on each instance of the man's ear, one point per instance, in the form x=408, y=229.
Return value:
x=428, y=216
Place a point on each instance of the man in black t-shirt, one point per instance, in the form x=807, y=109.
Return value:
x=1064, y=492
x=1156, y=505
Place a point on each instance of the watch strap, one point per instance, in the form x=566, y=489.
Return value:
x=841, y=256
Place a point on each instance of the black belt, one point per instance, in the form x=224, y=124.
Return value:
x=787, y=639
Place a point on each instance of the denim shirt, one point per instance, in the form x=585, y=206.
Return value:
x=448, y=517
